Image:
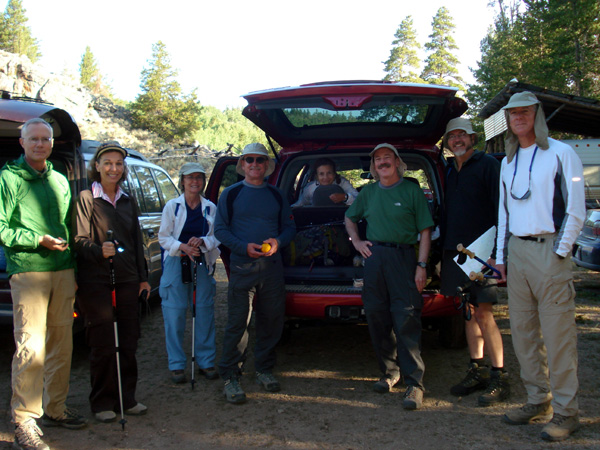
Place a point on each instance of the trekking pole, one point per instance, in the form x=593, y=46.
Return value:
x=194, y=281
x=478, y=276
x=109, y=236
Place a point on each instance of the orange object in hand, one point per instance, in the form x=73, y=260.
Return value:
x=265, y=248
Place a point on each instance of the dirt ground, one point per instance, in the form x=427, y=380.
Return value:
x=326, y=400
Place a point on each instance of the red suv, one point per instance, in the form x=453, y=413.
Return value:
x=344, y=121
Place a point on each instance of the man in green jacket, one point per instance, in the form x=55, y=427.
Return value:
x=35, y=205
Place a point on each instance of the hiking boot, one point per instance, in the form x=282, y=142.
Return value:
x=413, y=398
x=27, y=437
x=561, y=427
x=267, y=381
x=138, y=410
x=477, y=378
x=233, y=392
x=105, y=416
x=529, y=413
x=178, y=376
x=209, y=373
x=70, y=419
x=497, y=391
x=386, y=383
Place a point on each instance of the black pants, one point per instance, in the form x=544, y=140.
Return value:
x=96, y=302
x=262, y=279
x=393, y=309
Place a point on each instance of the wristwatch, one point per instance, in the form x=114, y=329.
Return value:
x=422, y=264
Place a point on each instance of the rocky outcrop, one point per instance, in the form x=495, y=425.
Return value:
x=98, y=117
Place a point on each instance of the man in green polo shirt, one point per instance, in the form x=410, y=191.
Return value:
x=396, y=212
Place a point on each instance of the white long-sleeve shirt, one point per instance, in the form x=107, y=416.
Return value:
x=534, y=215
x=173, y=220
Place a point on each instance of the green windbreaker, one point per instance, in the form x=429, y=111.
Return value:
x=33, y=204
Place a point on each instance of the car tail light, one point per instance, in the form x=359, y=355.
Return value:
x=596, y=228
x=75, y=314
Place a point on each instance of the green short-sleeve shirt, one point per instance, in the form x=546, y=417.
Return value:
x=394, y=214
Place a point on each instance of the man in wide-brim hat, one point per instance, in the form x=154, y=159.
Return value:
x=542, y=209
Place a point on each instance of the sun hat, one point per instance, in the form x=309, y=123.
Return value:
x=401, y=168
x=520, y=99
x=511, y=141
x=191, y=167
x=255, y=149
x=459, y=123
x=109, y=147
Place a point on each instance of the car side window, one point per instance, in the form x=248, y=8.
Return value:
x=133, y=187
x=149, y=190
x=167, y=189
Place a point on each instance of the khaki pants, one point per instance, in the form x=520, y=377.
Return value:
x=541, y=300
x=43, y=322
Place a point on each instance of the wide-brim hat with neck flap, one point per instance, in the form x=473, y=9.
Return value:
x=511, y=141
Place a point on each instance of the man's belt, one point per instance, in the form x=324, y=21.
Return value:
x=392, y=244
x=532, y=238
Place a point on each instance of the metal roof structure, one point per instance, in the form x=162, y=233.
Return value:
x=564, y=112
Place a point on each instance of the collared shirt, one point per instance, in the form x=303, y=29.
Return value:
x=557, y=200
x=98, y=192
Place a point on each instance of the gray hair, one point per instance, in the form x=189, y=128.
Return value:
x=36, y=121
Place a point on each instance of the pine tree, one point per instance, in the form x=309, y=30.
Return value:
x=551, y=44
x=403, y=61
x=15, y=35
x=440, y=65
x=161, y=107
x=88, y=70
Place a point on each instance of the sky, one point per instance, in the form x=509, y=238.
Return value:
x=225, y=49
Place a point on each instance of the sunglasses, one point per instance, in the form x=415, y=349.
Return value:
x=258, y=159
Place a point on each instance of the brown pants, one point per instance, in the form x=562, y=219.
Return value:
x=541, y=300
x=43, y=329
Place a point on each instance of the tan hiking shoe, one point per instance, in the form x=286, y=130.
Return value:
x=529, y=413
x=413, y=398
x=27, y=437
x=386, y=383
x=561, y=427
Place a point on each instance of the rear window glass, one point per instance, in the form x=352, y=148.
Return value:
x=393, y=113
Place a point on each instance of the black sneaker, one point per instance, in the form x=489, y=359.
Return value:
x=70, y=419
x=477, y=378
x=497, y=391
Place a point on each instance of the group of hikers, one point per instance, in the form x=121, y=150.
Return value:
x=535, y=197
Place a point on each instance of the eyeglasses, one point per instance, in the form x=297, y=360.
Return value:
x=527, y=194
x=258, y=159
x=35, y=140
x=453, y=137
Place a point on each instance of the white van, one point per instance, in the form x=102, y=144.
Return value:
x=589, y=153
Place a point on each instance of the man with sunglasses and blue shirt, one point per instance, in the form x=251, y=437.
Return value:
x=254, y=221
x=541, y=212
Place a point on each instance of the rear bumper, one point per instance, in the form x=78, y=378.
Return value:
x=345, y=303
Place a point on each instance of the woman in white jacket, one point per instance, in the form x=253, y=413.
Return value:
x=187, y=237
